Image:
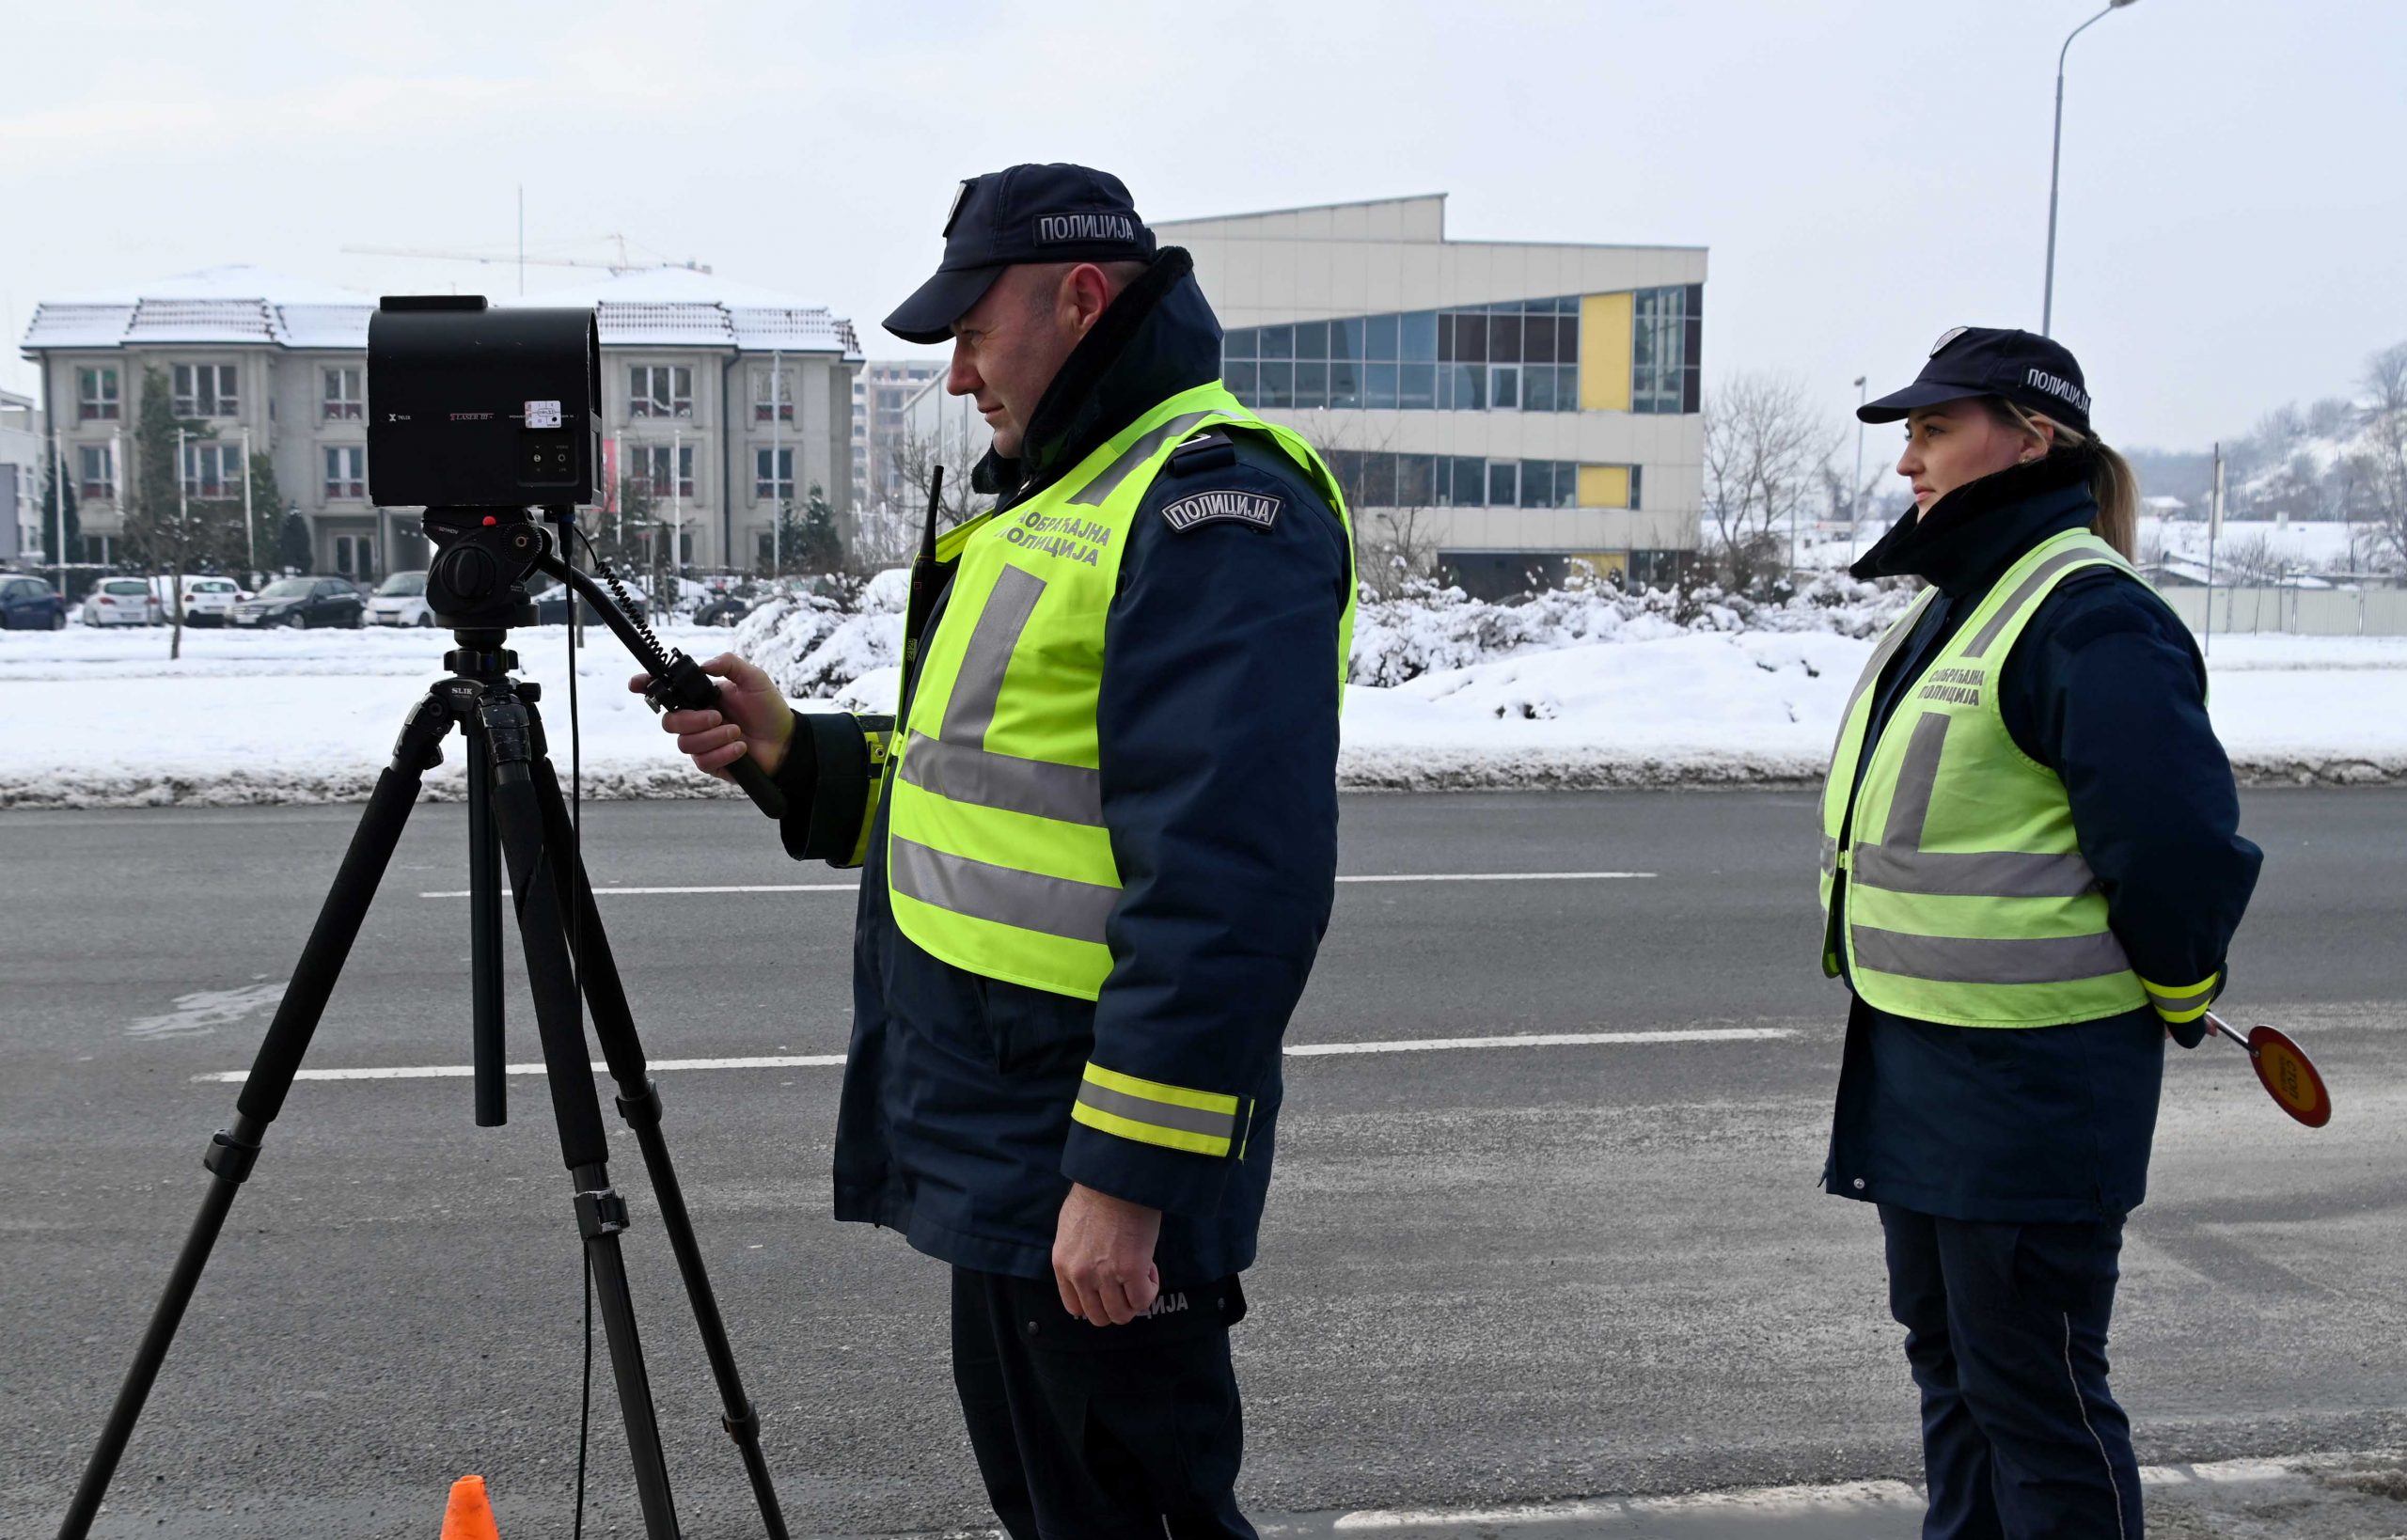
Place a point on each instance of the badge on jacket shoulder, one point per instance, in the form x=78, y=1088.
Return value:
x=1258, y=509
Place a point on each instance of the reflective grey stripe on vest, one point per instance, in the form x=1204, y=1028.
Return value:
x=1075, y=911
x=1901, y=865
x=1951, y=959
x=2176, y=1004
x=1830, y=854
x=1107, y=481
x=1188, y=1120
x=957, y=764
x=2039, y=577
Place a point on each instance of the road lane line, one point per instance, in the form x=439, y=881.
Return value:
x=854, y=887
x=1544, y=1040
x=829, y=1061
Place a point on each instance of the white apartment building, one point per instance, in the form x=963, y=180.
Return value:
x=22, y=468
x=882, y=394
x=725, y=398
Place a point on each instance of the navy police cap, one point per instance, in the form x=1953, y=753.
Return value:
x=2035, y=373
x=1024, y=213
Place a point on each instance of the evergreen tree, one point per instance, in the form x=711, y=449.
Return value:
x=266, y=522
x=817, y=545
x=292, y=545
x=62, y=534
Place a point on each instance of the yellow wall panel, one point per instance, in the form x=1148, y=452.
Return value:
x=1604, y=357
x=1603, y=486
x=1607, y=565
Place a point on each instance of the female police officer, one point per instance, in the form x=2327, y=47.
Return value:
x=2030, y=871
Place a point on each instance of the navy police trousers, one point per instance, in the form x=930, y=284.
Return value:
x=1101, y=1432
x=2005, y=1331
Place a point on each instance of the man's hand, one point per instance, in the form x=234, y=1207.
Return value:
x=1103, y=1257
x=753, y=719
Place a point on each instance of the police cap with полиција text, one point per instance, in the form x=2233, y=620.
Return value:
x=1023, y=213
x=2037, y=373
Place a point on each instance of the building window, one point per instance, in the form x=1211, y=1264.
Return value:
x=660, y=390
x=213, y=470
x=96, y=397
x=205, y=390
x=651, y=468
x=345, y=400
x=1521, y=355
x=355, y=556
x=1376, y=478
x=346, y=473
x=777, y=480
x=1667, y=329
x=97, y=467
x=772, y=395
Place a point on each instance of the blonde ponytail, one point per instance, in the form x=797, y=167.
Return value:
x=2112, y=482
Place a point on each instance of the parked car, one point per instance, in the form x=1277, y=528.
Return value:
x=121, y=601
x=28, y=603
x=209, y=600
x=551, y=605
x=303, y=601
x=728, y=606
x=400, y=600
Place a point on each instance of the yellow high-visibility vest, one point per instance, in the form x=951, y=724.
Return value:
x=998, y=860
x=1967, y=898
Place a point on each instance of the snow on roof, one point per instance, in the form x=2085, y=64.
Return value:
x=232, y=304
x=652, y=307
x=677, y=306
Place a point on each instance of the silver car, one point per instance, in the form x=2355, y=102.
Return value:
x=123, y=600
x=400, y=600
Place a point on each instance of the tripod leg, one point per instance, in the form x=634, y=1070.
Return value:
x=485, y=937
x=602, y=1214
x=640, y=1105
x=233, y=1152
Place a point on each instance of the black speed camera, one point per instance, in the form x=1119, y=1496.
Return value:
x=475, y=407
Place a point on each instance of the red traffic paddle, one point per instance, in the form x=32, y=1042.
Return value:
x=2287, y=1074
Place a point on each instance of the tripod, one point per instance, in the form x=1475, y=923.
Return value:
x=515, y=813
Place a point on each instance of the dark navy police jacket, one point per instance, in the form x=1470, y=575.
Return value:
x=2105, y=688
x=1218, y=727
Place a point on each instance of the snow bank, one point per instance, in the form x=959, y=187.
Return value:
x=91, y=718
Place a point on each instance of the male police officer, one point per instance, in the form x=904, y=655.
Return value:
x=1098, y=843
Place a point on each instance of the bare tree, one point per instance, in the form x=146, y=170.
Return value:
x=1764, y=446
x=2384, y=463
x=889, y=536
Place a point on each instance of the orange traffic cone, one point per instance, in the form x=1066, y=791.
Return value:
x=468, y=1516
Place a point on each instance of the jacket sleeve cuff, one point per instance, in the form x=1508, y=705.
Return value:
x=1164, y=1146
x=826, y=778
x=2181, y=1004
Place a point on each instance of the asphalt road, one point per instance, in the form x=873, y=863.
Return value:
x=1489, y=1274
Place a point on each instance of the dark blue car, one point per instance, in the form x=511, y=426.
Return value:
x=28, y=603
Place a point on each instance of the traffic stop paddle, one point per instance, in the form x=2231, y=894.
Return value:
x=2287, y=1074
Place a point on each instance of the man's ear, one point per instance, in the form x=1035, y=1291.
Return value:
x=1086, y=290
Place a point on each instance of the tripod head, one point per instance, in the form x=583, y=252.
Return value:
x=478, y=582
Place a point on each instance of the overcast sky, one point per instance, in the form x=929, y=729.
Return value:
x=1866, y=172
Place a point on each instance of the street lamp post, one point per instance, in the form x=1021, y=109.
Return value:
x=2056, y=159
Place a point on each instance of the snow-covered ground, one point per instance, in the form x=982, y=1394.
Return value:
x=94, y=718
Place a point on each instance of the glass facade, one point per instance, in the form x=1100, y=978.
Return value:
x=1519, y=355
x=1379, y=479
x=1666, y=342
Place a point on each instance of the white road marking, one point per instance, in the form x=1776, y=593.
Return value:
x=200, y=1014
x=1834, y=1499
x=854, y=887
x=829, y=1061
x=1544, y=1040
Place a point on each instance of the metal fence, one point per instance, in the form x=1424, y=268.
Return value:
x=2294, y=612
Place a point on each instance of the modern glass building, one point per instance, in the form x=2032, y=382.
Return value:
x=1504, y=406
